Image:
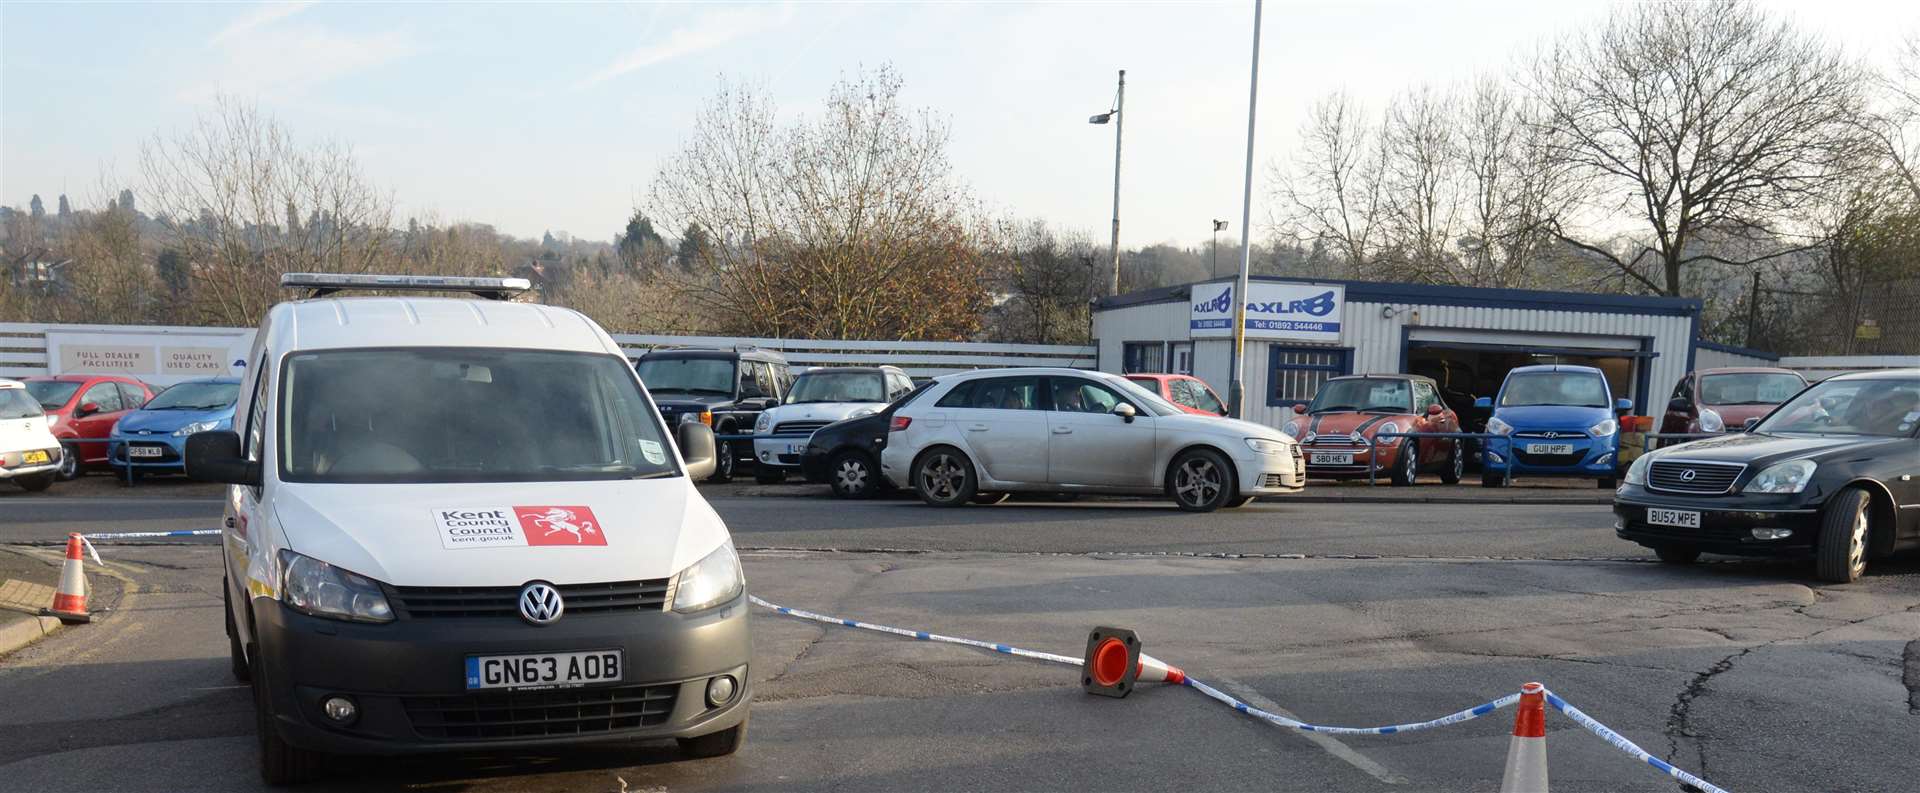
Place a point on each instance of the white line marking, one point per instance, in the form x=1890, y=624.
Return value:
x=1332, y=745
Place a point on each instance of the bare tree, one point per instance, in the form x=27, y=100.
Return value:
x=244, y=203
x=1329, y=194
x=1513, y=188
x=1695, y=119
x=1421, y=187
x=846, y=225
x=1894, y=126
x=1047, y=281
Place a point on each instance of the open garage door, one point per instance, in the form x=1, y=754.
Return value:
x=1472, y=363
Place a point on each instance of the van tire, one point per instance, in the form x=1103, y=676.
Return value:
x=715, y=744
x=237, y=655
x=281, y=764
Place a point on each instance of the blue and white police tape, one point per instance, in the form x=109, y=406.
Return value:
x=142, y=535
x=1620, y=742
x=1275, y=718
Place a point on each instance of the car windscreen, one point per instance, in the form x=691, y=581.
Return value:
x=1850, y=407
x=465, y=415
x=195, y=396
x=52, y=393
x=16, y=403
x=1572, y=389
x=687, y=375
x=1362, y=395
x=1749, y=388
x=838, y=387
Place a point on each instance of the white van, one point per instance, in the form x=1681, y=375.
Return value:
x=460, y=525
x=29, y=454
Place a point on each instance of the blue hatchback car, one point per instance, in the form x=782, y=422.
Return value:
x=1562, y=421
x=154, y=438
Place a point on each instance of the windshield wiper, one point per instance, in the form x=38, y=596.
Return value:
x=655, y=475
x=1331, y=408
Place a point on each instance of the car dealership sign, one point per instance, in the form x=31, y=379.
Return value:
x=1292, y=311
x=156, y=358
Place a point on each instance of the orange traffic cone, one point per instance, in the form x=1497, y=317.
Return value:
x=1527, y=753
x=70, y=600
x=1114, y=663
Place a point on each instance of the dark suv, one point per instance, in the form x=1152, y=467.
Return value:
x=723, y=389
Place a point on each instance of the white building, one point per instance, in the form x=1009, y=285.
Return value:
x=1302, y=332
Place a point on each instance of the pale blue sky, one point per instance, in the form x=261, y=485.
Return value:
x=538, y=117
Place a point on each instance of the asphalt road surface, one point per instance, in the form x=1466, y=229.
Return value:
x=1742, y=671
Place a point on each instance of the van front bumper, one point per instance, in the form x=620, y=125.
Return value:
x=407, y=680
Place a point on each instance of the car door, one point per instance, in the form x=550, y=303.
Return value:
x=104, y=395
x=1000, y=423
x=1680, y=420
x=1089, y=445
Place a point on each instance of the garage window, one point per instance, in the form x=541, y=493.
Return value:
x=1294, y=374
x=1143, y=356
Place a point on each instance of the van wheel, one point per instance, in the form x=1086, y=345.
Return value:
x=1406, y=468
x=34, y=483
x=1841, y=556
x=281, y=763
x=1456, y=464
x=944, y=476
x=1201, y=481
x=237, y=655
x=718, y=744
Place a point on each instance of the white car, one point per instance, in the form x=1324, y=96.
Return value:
x=979, y=436
x=29, y=454
x=460, y=525
x=820, y=396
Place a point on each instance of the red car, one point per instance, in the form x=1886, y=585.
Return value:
x=85, y=406
x=1337, y=432
x=1724, y=400
x=1185, y=391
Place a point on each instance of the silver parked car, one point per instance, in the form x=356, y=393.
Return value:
x=978, y=436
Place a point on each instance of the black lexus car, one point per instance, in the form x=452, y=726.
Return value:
x=846, y=453
x=1833, y=474
x=723, y=389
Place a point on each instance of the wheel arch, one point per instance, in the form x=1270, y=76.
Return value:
x=1882, y=513
x=1166, y=471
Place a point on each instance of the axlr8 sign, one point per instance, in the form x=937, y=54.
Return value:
x=1293, y=311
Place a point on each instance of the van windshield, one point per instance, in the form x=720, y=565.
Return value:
x=465, y=415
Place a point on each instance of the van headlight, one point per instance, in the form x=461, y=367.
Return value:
x=1637, y=472
x=710, y=581
x=1791, y=476
x=1604, y=428
x=1497, y=427
x=763, y=425
x=1264, y=446
x=313, y=587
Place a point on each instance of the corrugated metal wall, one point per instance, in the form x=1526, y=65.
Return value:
x=1376, y=341
x=1709, y=358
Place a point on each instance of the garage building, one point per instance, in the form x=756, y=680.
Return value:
x=1300, y=333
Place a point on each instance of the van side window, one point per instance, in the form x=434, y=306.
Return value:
x=256, y=412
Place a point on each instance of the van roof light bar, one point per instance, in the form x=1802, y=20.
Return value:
x=324, y=284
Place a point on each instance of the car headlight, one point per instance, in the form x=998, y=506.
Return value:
x=1290, y=429
x=862, y=412
x=1498, y=427
x=1388, y=428
x=198, y=426
x=1604, y=428
x=1637, y=473
x=53, y=420
x=1711, y=421
x=701, y=417
x=763, y=425
x=1264, y=446
x=313, y=587
x=710, y=581
x=1791, y=476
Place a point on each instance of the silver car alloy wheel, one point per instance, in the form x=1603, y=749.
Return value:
x=1857, y=544
x=1197, y=482
x=1412, y=453
x=69, y=461
x=852, y=475
x=941, y=477
x=1459, y=459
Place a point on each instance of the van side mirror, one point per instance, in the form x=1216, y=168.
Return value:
x=1483, y=402
x=1622, y=405
x=215, y=457
x=1125, y=412
x=1678, y=405
x=697, y=449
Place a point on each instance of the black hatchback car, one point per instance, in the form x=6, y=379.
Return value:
x=723, y=389
x=846, y=453
x=1831, y=474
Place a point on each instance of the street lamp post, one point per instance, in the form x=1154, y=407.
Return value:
x=1119, y=126
x=1237, y=394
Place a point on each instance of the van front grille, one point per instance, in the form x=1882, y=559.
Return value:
x=425, y=602
x=489, y=715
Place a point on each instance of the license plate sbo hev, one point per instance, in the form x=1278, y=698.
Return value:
x=544, y=670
